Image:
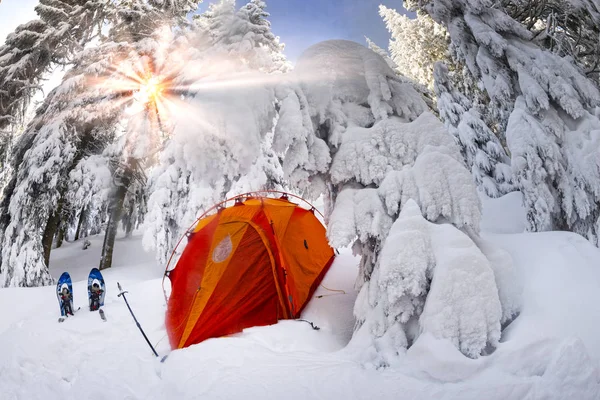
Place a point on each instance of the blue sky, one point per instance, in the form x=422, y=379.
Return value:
x=299, y=23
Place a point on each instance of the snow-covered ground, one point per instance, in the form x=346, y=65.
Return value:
x=551, y=351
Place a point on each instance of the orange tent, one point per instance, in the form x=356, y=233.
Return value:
x=250, y=264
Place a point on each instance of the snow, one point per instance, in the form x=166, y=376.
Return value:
x=503, y=215
x=550, y=351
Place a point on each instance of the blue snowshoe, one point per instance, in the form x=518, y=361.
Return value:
x=96, y=290
x=64, y=293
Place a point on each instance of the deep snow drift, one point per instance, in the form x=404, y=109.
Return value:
x=551, y=351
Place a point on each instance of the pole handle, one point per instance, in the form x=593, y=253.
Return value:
x=122, y=292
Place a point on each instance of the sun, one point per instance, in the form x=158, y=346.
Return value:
x=150, y=91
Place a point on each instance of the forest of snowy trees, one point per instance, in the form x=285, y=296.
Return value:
x=163, y=112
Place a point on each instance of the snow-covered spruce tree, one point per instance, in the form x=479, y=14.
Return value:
x=89, y=186
x=244, y=35
x=266, y=173
x=63, y=28
x=568, y=28
x=78, y=118
x=252, y=39
x=224, y=149
x=151, y=54
x=480, y=148
x=204, y=159
x=67, y=126
x=217, y=20
x=550, y=104
x=399, y=192
x=415, y=44
x=27, y=55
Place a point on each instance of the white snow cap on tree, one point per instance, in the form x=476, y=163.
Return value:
x=336, y=84
x=244, y=35
x=335, y=72
x=30, y=208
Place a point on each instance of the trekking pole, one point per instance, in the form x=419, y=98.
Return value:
x=122, y=293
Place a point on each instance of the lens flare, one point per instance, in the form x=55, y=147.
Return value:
x=150, y=91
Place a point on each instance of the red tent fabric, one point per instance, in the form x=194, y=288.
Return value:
x=247, y=265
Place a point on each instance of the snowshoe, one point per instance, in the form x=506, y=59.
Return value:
x=96, y=290
x=64, y=293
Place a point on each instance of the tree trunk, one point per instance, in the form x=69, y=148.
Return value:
x=60, y=235
x=129, y=224
x=116, y=208
x=4, y=213
x=79, y=224
x=50, y=231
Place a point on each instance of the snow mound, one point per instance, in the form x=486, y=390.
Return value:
x=342, y=71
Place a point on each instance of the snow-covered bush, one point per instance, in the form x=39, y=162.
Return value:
x=430, y=279
x=399, y=193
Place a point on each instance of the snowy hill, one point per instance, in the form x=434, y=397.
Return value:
x=551, y=351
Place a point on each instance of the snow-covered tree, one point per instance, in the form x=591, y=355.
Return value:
x=568, y=28
x=28, y=54
x=423, y=90
x=244, y=35
x=217, y=20
x=152, y=57
x=63, y=28
x=549, y=105
x=266, y=173
x=430, y=278
x=78, y=118
x=89, y=186
x=66, y=128
x=225, y=148
x=416, y=44
x=205, y=157
x=351, y=128
x=480, y=148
